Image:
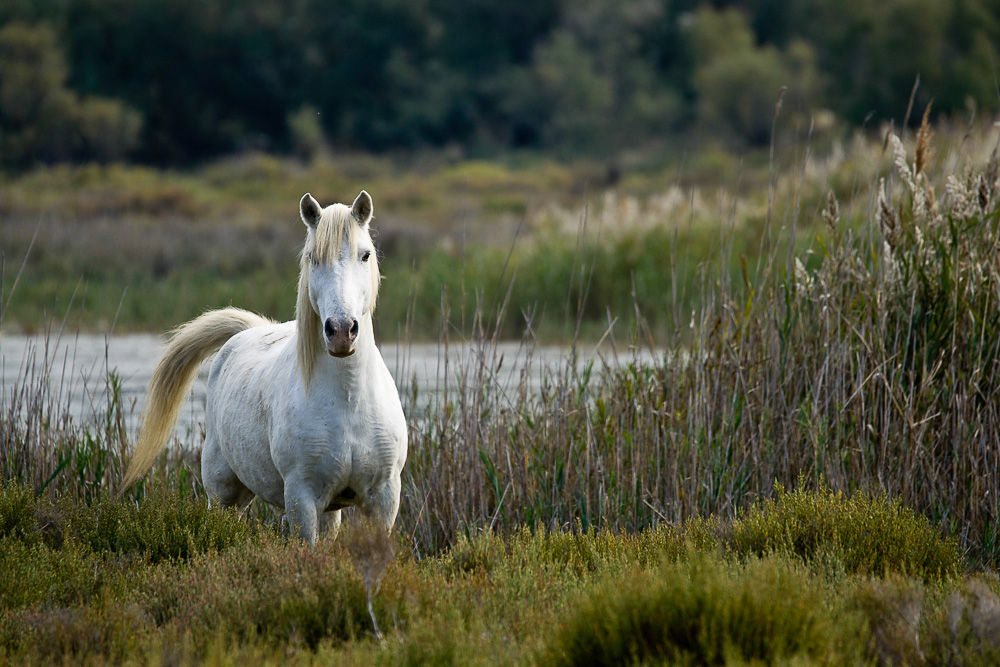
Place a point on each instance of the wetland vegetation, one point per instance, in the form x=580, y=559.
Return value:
x=808, y=474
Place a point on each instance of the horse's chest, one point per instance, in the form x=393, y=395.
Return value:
x=339, y=439
x=349, y=433
x=341, y=454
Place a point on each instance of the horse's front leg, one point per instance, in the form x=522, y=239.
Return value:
x=302, y=512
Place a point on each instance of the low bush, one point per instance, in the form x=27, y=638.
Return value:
x=576, y=553
x=276, y=591
x=160, y=527
x=866, y=534
x=163, y=526
x=101, y=584
x=706, y=611
x=104, y=632
x=910, y=622
x=17, y=511
x=34, y=574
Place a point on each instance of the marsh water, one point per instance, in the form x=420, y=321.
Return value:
x=79, y=370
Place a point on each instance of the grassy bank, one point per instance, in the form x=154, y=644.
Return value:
x=169, y=582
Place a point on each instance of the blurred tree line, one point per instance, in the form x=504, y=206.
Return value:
x=178, y=81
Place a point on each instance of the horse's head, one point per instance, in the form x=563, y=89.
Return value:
x=338, y=283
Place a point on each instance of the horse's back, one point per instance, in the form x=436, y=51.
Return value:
x=251, y=348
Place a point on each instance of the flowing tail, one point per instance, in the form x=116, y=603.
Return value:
x=188, y=347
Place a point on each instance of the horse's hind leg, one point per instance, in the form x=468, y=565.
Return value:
x=221, y=483
x=329, y=524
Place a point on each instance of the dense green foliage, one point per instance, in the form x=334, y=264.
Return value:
x=41, y=119
x=703, y=613
x=183, y=80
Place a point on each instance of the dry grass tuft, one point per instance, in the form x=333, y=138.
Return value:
x=372, y=550
x=894, y=609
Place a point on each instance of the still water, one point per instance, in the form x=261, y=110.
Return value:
x=74, y=370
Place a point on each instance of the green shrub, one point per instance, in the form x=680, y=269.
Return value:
x=34, y=574
x=911, y=622
x=705, y=611
x=867, y=534
x=964, y=626
x=161, y=526
x=277, y=591
x=17, y=511
x=96, y=634
x=564, y=554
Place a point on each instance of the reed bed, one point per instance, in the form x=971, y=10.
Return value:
x=43, y=446
x=868, y=365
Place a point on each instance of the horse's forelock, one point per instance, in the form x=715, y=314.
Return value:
x=335, y=224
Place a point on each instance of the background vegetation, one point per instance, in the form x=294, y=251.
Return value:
x=104, y=80
x=506, y=144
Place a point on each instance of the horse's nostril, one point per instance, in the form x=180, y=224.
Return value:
x=354, y=328
x=330, y=328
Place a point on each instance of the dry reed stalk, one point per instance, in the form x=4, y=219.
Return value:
x=923, y=148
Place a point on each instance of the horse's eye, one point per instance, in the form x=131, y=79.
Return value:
x=364, y=257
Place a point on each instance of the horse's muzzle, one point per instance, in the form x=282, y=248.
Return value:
x=341, y=336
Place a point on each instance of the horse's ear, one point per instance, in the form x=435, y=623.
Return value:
x=362, y=209
x=310, y=210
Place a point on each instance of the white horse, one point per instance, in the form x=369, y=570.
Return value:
x=303, y=414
